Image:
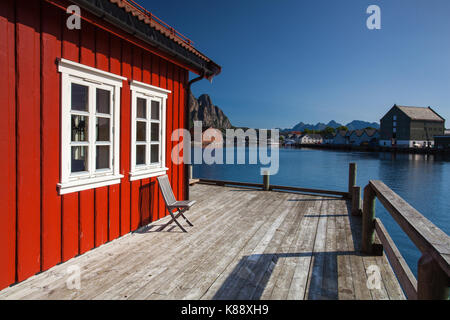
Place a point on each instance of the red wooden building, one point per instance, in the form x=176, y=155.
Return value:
x=86, y=120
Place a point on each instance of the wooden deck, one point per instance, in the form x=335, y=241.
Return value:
x=246, y=244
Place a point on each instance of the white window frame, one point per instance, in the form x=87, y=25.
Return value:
x=72, y=72
x=150, y=93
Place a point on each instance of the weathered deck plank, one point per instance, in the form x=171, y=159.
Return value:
x=246, y=244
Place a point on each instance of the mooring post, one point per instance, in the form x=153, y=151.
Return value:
x=356, y=201
x=351, y=178
x=368, y=220
x=432, y=281
x=191, y=172
x=266, y=180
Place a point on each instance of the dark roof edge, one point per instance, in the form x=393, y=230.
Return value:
x=126, y=21
x=436, y=113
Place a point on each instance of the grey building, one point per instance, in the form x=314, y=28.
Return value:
x=410, y=127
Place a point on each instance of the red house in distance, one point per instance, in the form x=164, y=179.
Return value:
x=86, y=120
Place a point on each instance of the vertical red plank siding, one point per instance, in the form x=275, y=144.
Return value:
x=50, y=142
x=169, y=124
x=175, y=118
x=135, y=185
x=28, y=139
x=125, y=187
x=159, y=201
x=114, y=191
x=181, y=126
x=101, y=194
x=70, y=202
x=7, y=145
x=87, y=205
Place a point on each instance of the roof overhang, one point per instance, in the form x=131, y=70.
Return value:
x=130, y=23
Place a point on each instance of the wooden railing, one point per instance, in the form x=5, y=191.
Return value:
x=433, y=279
x=266, y=186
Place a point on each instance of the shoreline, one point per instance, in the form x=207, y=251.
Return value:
x=371, y=149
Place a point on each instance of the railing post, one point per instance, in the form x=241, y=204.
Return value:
x=266, y=181
x=351, y=178
x=368, y=220
x=356, y=201
x=432, y=281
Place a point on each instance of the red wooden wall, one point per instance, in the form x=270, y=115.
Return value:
x=39, y=228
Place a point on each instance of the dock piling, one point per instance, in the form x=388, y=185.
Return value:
x=351, y=178
x=266, y=181
x=368, y=219
x=356, y=201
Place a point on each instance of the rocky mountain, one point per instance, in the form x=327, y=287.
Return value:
x=358, y=124
x=354, y=125
x=203, y=109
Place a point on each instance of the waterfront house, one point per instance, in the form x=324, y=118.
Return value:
x=310, y=138
x=329, y=138
x=341, y=137
x=410, y=127
x=86, y=122
x=363, y=137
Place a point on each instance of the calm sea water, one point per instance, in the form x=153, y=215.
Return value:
x=422, y=180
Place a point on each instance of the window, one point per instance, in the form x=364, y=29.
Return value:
x=395, y=118
x=90, y=115
x=148, y=131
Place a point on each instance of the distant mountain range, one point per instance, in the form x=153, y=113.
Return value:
x=354, y=125
x=203, y=109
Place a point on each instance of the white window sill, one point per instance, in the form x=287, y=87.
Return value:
x=87, y=184
x=145, y=174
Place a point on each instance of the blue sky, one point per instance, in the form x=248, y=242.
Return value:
x=288, y=61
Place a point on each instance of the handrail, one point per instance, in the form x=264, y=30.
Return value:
x=433, y=267
x=272, y=187
x=266, y=186
x=154, y=18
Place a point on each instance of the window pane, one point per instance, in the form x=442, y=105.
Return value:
x=141, y=131
x=79, y=159
x=80, y=128
x=80, y=95
x=140, y=155
x=141, y=108
x=103, y=129
x=155, y=154
x=102, y=161
x=103, y=101
x=155, y=132
x=155, y=110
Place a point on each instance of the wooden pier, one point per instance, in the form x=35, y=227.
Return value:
x=250, y=244
x=246, y=244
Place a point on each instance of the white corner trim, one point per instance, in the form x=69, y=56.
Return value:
x=66, y=188
x=81, y=70
x=136, y=85
x=145, y=174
